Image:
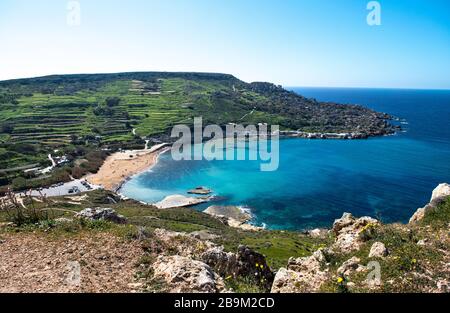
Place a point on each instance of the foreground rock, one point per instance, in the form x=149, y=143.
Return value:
x=179, y=201
x=101, y=214
x=301, y=275
x=244, y=263
x=378, y=250
x=351, y=233
x=350, y=266
x=439, y=194
x=180, y=274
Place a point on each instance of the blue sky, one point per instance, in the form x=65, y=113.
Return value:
x=289, y=42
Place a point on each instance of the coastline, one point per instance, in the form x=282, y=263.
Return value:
x=119, y=167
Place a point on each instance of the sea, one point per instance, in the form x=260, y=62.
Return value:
x=318, y=180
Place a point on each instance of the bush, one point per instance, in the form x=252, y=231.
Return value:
x=7, y=129
x=112, y=101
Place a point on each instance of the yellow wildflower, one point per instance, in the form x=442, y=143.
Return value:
x=340, y=280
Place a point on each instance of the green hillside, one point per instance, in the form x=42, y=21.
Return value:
x=80, y=115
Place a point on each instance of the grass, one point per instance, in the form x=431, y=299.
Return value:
x=72, y=112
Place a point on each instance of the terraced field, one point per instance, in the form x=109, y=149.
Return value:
x=75, y=115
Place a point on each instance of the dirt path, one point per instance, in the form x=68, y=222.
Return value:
x=35, y=263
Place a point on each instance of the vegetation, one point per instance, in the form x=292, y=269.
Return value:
x=77, y=115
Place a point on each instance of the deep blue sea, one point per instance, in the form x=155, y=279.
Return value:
x=387, y=177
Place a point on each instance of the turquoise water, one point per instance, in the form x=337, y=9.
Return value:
x=318, y=180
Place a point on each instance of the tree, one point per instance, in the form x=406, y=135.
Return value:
x=112, y=101
x=7, y=129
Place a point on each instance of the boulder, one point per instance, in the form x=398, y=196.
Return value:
x=183, y=275
x=101, y=214
x=318, y=233
x=204, y=235
x=301, y=275
x=350, y=266
x=378, y=250
x=351, y=232
x=244, y=263
x=441, y=192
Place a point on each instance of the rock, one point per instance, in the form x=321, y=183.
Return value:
x=203, y=235
x=301, y=275
x=180, y=243
x=232, y=216
x=441, y=192
x=200, y=191
x=378, y=250
x=349, y=266
x=244, y=263
x=63, y=220
x=233, y=212
x=443, y=286
x=422, y=242
x=135, y=285
x=104, y=214
x=244, y=226
x=184, y=275
x=351, y=233
x=318, y=233
x=179, y=201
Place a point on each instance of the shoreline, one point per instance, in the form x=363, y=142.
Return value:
x=119, y=167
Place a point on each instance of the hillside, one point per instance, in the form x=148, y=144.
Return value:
x=152, y=250
x=76, y=117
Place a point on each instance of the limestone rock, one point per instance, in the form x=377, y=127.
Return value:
x=103, y=214
x=244, y=263
x=179, y=201
x=184, y=275
x=442, y=191
x=181, y=243
x=378, y=250
x=350, y=266
x=301, y=275
x=318, y=233
x=203, y=235
x=351, y=232
x=233, y=212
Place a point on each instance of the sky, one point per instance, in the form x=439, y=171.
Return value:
x=323, y=43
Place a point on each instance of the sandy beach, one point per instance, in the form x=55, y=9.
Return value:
x=119, y=166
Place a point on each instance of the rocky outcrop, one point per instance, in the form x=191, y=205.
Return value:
x=244, y=263
x=378, y=250
x=351, y=233
x=302, y=275
x=180, y=243
x=101, y=214
x=179, y=201
x=350, y=266
x=233, y=212
x=180, y=274
x=232, y=216
x=439, y=194
x=318, y=233
x=200, y=191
